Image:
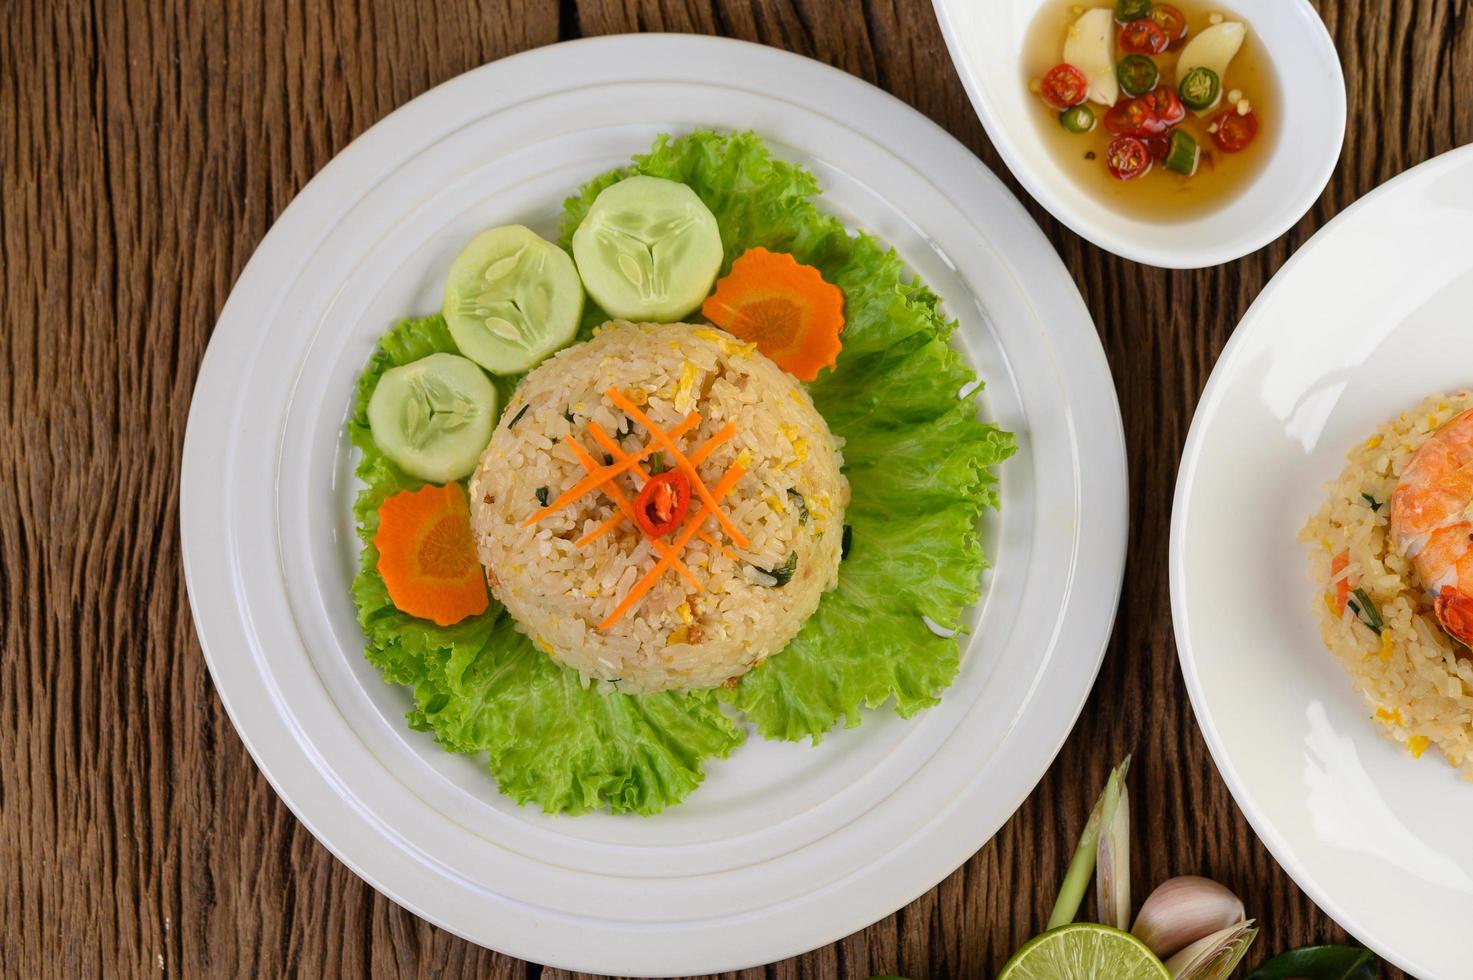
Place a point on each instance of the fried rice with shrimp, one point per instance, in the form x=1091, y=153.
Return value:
x=1377, y=612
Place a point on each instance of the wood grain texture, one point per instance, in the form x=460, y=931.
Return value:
x=145, y=148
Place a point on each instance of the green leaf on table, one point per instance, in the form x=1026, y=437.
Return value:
x=1319, y=963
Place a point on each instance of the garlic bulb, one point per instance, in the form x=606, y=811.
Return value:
x=1182, y=911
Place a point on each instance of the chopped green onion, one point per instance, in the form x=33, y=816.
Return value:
x=1182, y=153
x=1080, y=119
x=542, y=496
x=1200, y=88
x=657, y=462
x=1129, y=10
x=784, y=574
x=1372, y=502
x=800, y=503
x=518, y=417
x=1137, y=74
x=1366, y=611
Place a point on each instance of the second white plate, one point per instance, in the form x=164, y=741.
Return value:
x=786, y=847
x=1370, y=317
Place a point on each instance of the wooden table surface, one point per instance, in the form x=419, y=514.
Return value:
x=145, y=148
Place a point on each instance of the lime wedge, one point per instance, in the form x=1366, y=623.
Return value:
x=1084, y=951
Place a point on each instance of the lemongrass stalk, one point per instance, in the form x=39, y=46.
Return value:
x=1082, y=865
x=1112, y=861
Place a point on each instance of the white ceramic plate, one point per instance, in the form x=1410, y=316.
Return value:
x=1367, y=319
x=786, y=847
x=986, y=39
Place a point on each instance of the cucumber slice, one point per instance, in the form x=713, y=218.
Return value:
x=433, y=416
x=648, y=249
x=511, y=299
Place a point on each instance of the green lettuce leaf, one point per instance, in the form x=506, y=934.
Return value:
x=481, y=686
x=917, y=458
x=919, y=464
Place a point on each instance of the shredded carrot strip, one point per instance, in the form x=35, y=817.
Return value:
x=723, y=487
x=668, y=555
x=666, y=443
x=603, y=474
x=696, y=458
x=601, y=530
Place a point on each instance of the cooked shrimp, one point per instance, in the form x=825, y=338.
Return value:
x=1432, y=522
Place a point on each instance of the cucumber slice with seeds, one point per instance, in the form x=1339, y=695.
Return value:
x=511, y=299
x=648, y=249
x=433, y=417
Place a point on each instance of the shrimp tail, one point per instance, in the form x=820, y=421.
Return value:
x=1455, y=613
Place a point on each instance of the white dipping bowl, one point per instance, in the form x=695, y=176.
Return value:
x=986, y=41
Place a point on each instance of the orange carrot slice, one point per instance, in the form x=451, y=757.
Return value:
x=786, y=309
x=427, y=556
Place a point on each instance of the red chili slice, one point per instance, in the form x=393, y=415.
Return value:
x=662, y=505
x=1134, y=117
x=1232, y=132
x=1166, y=104
x=1143, y=36
x=1127, y=158
x=1064, y=87
x=1173, y=22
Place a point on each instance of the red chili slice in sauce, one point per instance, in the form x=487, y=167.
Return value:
x=1064, y=87
x=1134, y=117
x=662, y=505
x=1232, y=132
x=1166, y=104
x=1173, y=22
x=1143, y=36
x=1127, y=158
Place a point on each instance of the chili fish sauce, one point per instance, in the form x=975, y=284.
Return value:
x=1149, y=155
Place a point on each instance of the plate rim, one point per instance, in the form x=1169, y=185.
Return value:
x=1105, y=536
x=1361, y=927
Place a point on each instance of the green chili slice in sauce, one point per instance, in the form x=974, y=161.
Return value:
x=1182, y=153
x=1137, y=74
x=1080, y=119
x=1199, y=89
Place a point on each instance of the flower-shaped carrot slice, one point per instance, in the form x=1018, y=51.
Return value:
x=427, y=556
x=786, y=309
